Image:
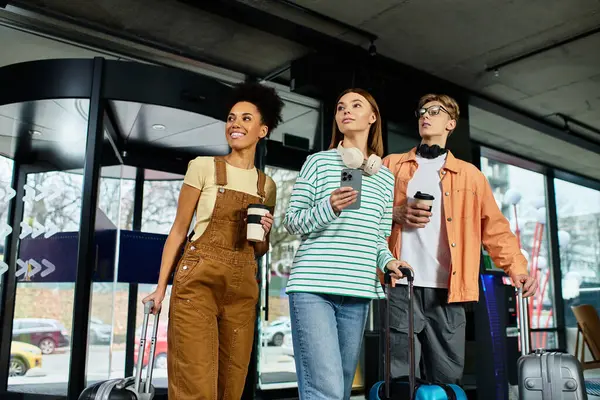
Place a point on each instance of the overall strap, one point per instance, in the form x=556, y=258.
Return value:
x=220, y=172
x=262, y=178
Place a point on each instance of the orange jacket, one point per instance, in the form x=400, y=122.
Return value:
x=472, y=219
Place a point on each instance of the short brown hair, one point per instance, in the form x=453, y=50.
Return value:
x=448, y=102
x=375, y=140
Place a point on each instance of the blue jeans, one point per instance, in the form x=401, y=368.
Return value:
x=327, y=333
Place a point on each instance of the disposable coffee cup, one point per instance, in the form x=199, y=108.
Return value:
x=255, y=231
x=424, y=198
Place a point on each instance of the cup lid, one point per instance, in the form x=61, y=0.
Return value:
x=261, y=206
x=423, y=196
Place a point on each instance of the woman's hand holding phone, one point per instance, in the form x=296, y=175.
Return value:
x=342, y=198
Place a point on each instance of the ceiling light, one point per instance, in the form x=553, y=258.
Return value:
x=159, y=127
x=35, y=133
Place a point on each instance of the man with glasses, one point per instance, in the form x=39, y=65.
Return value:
x=441, y=240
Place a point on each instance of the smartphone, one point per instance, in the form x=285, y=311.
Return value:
x=352, y=178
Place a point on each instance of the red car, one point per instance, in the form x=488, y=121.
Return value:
x=45, y=333
x=160, y=355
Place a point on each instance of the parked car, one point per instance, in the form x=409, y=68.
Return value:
x=99, y=331
x=160, y=354
x=23, y=357
x=275, y=332
x=287, y=348
x=47, y=334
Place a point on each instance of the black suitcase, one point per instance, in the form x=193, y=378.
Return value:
x=131, y=388
x=546, y=375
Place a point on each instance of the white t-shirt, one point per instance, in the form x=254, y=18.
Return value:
x=426, y=249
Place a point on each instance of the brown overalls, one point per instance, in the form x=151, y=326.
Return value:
x=213, y=302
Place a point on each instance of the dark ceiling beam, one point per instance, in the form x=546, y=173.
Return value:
x=371, y=36
x=568, y=119
x=276, y=72
x=273, y=24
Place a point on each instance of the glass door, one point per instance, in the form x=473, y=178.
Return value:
x=276, y=367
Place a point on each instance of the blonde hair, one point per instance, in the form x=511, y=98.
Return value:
x=375, y=140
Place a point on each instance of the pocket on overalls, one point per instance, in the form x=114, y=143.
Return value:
x=227, y=235
x=188, y=263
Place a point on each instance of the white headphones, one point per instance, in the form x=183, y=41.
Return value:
x=354, y=158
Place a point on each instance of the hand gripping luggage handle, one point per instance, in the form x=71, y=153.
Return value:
x=523, y=322
x=142, y=350
x=408, y=273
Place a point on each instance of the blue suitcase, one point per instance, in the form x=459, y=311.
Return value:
x=408, y=387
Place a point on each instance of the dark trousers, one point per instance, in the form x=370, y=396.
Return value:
x=439, y=334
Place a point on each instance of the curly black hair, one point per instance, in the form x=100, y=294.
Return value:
x=266, y=100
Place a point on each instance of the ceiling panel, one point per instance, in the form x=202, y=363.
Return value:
x=211, y=134
x=63, y=120
x=149, y=123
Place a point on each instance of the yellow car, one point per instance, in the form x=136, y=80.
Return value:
x=23, y=356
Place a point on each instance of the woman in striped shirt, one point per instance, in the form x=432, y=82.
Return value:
x=334, y=273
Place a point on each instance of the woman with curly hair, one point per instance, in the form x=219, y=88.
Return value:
x=213, y=301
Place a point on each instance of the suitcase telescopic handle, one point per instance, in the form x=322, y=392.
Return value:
x=142, y=349
x=408, y=273
x=523, y=322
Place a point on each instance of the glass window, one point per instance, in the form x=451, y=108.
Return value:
x=300, y=117
x=276, y=364
x=521, y=195
x=578, y=213
x=401, y=139
x=45, y=282
x=6, y=194
x=109, y=304
x=161, y=192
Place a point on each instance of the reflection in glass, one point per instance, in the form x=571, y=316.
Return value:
x=578, y=213
x=521, y=196
x=299, y=120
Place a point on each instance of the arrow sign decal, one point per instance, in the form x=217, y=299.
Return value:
x=3, y=267
x=10, y=194
x=38, y=229
x=36, y=267
x=23, y=268
x=29, y=193
x=50, y=268
x=5, y=231
x=25, y=230
x=51, y=230
x=50, y=193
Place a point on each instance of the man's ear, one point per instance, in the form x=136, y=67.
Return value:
x=451, y=125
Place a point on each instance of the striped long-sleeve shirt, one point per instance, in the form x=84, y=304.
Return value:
x=339, y=254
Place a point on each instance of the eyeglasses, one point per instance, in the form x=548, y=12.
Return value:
x=431, y=110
